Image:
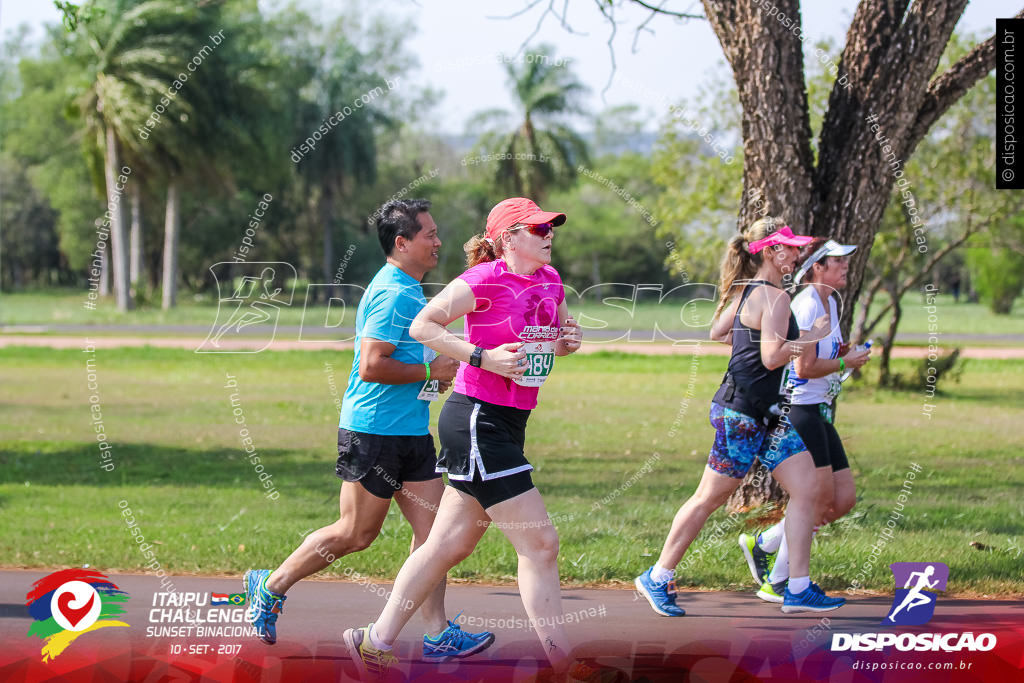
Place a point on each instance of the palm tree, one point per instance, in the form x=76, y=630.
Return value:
x=131, y=51
x=218, y=120
x=541, y=151
x=345, y=157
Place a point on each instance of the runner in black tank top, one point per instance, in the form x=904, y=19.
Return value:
x=742, y=414
x=749, y=387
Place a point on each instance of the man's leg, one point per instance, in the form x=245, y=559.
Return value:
x=361, y=516
x=419, y=501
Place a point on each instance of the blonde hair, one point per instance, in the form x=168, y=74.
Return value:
x=479, y=250
x=738, y=263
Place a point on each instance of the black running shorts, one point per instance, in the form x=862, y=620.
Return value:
x=481, y=443
x=383, y=463
x=819, y=435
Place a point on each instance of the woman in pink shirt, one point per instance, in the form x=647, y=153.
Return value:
x=516, y=322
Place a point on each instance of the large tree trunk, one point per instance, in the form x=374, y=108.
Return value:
x=136, y=266
x=767, y=63
x=891, y=53
x=118, y=231
x=172, y=226
x=892, y=49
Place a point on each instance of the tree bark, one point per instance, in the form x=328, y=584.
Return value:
x=118, y=231
x=767, y=64
x=756, y=490
x=892, y=49
x=172, y=226
x=137, y=266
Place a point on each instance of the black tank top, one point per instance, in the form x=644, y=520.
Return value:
x=755, y=383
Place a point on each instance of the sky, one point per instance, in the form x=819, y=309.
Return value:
x=457, y=43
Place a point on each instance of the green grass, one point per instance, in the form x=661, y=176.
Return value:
x=179, y=466
x=65, y=307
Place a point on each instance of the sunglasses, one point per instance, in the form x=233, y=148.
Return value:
x=540, y=230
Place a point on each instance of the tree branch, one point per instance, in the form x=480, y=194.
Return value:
x=946, y=89
x=912, y=280
x=659, y=10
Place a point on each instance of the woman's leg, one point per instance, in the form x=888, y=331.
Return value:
x=419, y=502
x=845, y=496
x=712, y=493
x=459, y=525
x=798, y=476
x=525, y=522
x=781, y=570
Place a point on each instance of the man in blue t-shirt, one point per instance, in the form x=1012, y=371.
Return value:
x=384, y=445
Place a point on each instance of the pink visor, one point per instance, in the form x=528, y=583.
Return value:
x=782, y=236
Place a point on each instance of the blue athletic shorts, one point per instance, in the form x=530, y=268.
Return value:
x=739, y=439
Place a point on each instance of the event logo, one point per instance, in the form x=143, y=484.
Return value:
x=253, y=307
x=914, y=604
x=69, y=603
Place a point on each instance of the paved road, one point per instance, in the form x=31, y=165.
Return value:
x=724, y=636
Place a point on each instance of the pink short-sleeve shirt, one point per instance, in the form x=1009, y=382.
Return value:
x=509, y=308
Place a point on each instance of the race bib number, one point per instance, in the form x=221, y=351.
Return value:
x=540, y=359
x=785, y=388
x=834, y=386
x=431, y=389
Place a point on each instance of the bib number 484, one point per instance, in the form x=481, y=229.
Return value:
x=540, y=360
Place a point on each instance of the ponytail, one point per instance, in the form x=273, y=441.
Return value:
x=738, y=263
x=479, y=250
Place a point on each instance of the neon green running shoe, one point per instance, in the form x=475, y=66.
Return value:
x=759, y=562
x=772, y=592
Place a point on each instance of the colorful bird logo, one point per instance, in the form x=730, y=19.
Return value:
x=71, y=602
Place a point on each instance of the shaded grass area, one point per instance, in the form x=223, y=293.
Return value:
x=619, y=442
x=65, y=306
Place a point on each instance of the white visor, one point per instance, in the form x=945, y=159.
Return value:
x=830, y=248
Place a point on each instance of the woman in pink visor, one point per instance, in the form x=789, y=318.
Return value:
x=749, y=414
x=516, y=323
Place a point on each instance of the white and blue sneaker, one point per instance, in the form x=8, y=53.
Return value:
x=454, y=643
x=662, y=596
x=262, y=606
x=813, y=599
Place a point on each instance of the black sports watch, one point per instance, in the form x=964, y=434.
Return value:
x=476, y=356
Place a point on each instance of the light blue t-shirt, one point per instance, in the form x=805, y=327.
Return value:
x=391, y=301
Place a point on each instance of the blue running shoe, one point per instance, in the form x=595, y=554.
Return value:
x=454, y=643
x=262, y=606
x=662, y=596
x=811, y=600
